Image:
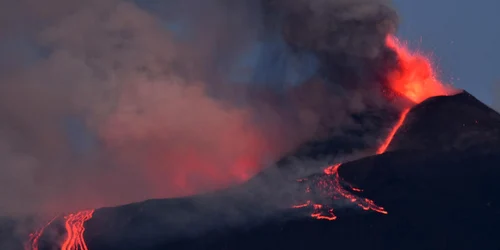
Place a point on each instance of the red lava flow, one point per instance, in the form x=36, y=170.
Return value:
x=75, y=228
x=333, y=187
x=393, y=132
x=74, y=225
x=35, y=236
x=414, y=79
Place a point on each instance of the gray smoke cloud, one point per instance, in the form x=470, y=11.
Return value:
x=155, y=130
x=115, y=108
x=347, y=35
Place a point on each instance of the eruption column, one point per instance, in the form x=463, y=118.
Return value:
x=414, y=79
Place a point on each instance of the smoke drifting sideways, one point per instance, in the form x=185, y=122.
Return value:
x=110, y=102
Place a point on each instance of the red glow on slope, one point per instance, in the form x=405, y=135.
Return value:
x=308, y=203
x=415, y=79
x=333, y=188
x=318, y=213
x=74, y=225
x=364, y=203
x=75, y=228
x=395, y=129
x=183, y=141
x=35, y=236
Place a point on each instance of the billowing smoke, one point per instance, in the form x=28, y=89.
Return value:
x=348, y=37
x=108, y=102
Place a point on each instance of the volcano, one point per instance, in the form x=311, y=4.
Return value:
x=437, y=183
x=428, y=181
x=394, y=158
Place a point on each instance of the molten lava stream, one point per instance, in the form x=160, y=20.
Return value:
x=75, y=228
x=74, y=225
x=414, y=79
x=334, y=188
x=34, y=237
x=393, y=132
x=322, y=212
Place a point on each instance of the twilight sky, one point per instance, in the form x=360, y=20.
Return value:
x=463, y=36
x=89, y=76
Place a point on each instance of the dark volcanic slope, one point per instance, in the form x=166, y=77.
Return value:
x=439, y=184
x=446, y=123
x=443, y=201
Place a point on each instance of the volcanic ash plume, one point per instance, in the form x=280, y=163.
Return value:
x=116, y=104
x=114, y=110
x=348, y=36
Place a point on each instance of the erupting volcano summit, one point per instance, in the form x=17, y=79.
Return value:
x=427, y=178
x=416, y=80
x=413, y=79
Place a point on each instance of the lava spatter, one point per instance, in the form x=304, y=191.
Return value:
x=415, y=79
x=330, y=185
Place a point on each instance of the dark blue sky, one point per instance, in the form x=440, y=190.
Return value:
x=464, y=37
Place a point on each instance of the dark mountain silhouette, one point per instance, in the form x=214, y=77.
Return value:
x=438, y=182
x=456, y=122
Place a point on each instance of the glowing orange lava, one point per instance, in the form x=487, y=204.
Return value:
x=35, y=236
x=333, y=188
x=415, y=78
x=74, y=225
x=75, y=229
x=364, y=203
x=395, y=129
x=318, y=215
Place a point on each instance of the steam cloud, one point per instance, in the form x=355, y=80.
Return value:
x=105, y=103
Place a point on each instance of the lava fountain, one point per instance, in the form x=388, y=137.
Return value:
x=415, y=79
